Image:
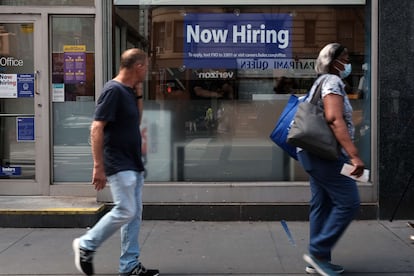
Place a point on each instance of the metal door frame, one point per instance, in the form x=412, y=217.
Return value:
x=40, y=184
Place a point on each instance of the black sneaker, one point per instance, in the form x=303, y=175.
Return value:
x=83, y=258
x=142, y=271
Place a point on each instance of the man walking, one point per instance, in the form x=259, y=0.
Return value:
x=116, y=151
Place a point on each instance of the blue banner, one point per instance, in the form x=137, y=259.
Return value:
x=218, y=40
x=10, y=171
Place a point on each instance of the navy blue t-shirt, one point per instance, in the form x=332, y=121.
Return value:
x=117, y=106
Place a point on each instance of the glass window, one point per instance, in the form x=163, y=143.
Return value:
x=17, y=91
x=73, y=96
x=220, y=76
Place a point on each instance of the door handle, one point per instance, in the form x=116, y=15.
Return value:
x=36, y=75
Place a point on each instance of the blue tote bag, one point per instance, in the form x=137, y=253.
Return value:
x=281, y=130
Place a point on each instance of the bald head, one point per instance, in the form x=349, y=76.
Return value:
x=131, y=57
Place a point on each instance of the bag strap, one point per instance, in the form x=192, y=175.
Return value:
x=317, y=93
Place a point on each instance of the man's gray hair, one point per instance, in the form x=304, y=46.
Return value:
x=131, y=56
x=326, y=56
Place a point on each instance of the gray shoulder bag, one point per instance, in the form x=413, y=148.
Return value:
x=310, y=130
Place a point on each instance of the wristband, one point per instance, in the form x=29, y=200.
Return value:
x=139, y=97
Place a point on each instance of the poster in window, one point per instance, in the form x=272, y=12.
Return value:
x=8, y=86
x=25, y=129
x=74, y=60
x=25, y=85
x=211, y=39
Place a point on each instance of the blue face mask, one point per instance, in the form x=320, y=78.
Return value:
x=347, y=70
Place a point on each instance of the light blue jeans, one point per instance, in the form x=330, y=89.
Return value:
x=126, y=189
x=333, y=205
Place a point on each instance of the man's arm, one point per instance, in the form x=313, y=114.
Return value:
x=97, y=141
x=140, y=100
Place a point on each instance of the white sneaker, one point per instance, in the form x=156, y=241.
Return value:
x=337, y=268
x=324, y=268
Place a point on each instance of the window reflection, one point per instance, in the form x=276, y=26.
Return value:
x=73, y=96
x=17, y=128
x=221, y=117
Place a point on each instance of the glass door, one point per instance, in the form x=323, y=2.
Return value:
x=19, y=89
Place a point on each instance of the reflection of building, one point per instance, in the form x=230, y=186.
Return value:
x=257, y=172
x=7, y=42
x=312, y=27
x=253, y=77
x=171, y=85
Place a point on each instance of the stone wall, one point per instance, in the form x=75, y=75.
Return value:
x=396, y=108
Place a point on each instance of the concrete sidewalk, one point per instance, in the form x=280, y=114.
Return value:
x=214, y=248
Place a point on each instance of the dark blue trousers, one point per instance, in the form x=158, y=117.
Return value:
x=333, y=205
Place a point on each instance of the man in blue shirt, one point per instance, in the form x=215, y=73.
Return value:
x=116, y=151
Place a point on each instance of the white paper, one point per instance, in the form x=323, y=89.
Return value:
x=8, y=85
x=347, y=169
x=58, y=92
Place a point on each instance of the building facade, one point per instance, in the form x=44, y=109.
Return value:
x=219, y=77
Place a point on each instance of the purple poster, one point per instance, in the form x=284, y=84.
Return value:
x=74, y=67
x=211, y=39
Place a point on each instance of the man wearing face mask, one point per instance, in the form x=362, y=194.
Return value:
x=334, y=197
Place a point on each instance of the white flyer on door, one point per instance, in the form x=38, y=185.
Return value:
x=58, y=92
x=8, y=85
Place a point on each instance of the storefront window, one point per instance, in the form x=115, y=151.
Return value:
x=220, y=76
x=72, y=96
